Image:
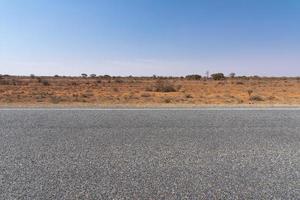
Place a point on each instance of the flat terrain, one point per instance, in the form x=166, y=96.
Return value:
x=143, y=91
x=150, y=154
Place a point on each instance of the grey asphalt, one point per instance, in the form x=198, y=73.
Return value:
x=150, y=154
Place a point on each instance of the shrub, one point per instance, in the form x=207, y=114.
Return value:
x=93, y=75
x=188, y=96
x=256, y=98
x=84, y=75
x=56, y=76
x=4, y=82
x=119, y=80
x=167, y=100
x=218, y=76
x=145, y=95
x=73, y=83
x=232, y=75
x=244, y=77
x=164, y=86
x=250, y=92
x=193, y=77
x=8, y=82
x=55, y=99
x=45, y=83
x=149, y=89
x=271, y=98
x=107, y=76
x=178, y=87
x=32, y=76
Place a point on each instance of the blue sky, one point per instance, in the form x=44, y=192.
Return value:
x=146, y=37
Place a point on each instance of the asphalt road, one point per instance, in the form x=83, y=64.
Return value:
x=149, y=154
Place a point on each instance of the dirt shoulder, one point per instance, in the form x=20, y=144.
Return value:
x=144, y=106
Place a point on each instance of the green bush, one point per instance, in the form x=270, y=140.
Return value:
x=193, y=77
x=232, y=75
x=218, y=76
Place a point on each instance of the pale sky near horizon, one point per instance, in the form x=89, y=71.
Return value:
x=146, y=37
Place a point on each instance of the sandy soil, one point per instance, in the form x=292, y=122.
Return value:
x=147, y=92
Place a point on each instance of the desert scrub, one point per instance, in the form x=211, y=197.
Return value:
x=256, y=98
x=249, y=93
x=145, y=95
x=218, y=76
x=164, y=86
x=168, y=100
x=45, y=83
x=55, y=99
x=193, y=77
x=188, y=96
x=118, y=80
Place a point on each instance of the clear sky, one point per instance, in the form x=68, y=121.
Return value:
x=146, y=37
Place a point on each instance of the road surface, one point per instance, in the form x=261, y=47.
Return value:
x=150, y=154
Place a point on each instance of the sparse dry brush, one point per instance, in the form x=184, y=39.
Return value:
x=55, y=99
x=118, y=80
x=163, y=86
x=148, y=90
x=250, y=92
x=167, y=100
x=188, y=96
x=146, y=95
x=45, y=82
x=256, y=98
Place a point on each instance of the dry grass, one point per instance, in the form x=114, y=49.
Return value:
x=143, y=90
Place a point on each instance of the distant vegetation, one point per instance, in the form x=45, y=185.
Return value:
x=193, y=77
x=190, y=89
x=218, y=76
x=232, y=75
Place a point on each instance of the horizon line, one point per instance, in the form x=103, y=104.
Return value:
x=142, y=76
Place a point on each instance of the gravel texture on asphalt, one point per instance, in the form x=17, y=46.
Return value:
x=149, y=154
